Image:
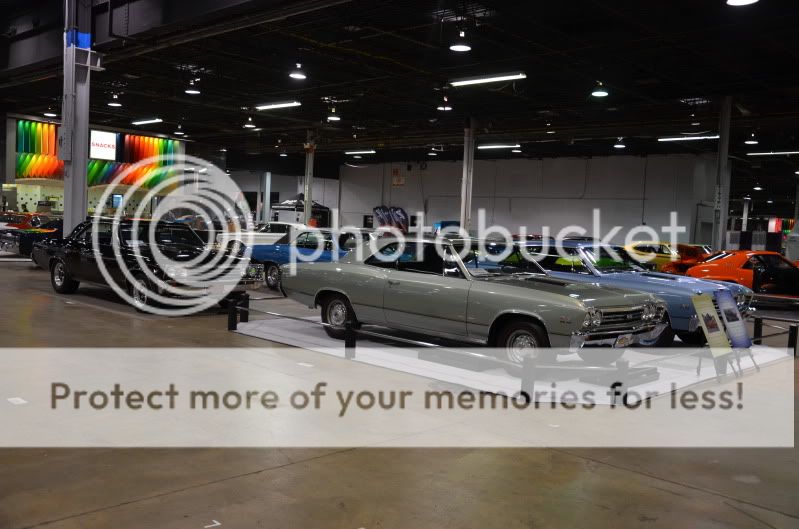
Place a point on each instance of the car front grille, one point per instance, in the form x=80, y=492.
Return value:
x=621, y=318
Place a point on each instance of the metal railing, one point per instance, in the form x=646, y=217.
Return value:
x=792, y=331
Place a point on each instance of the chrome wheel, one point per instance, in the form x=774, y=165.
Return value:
x=272, y=276
x=139, y=295
x=59, y=274
x=521, y=343
x=337, y=313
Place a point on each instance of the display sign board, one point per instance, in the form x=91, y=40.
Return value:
x=103, y=145
x=711, y=325
x=736, y=330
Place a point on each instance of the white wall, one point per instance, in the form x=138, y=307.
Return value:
x=554, y=192
x=325, y=190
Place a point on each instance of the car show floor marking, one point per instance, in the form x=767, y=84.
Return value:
x=679, y=370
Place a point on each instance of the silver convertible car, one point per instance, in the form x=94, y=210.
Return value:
x=413, y=287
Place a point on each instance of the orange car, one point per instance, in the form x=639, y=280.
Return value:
x=767, y=273
x=690, y=255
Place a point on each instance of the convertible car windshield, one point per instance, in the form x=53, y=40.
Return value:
x=490, y=261
x=604, y=260
x=164, y=234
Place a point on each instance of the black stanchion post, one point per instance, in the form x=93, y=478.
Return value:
x=528, y=378
x=349, y=340
x=793, y=334
x=232, y=322
x=245, y=304
x=623, y=373
x=758, y=338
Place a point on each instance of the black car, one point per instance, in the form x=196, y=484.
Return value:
x=74, y=259
x=21, y=242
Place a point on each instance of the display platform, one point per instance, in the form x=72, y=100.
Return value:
x=675, y=370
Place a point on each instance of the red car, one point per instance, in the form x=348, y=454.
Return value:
x=21, y=221
x=767, y=273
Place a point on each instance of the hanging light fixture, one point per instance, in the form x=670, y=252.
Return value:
x=114, y=102
x=283, y=154
x=758, y=188
x=445, y=106
x=249, y=124
x=599, y=90
x=460, y=44
x=333, y=116
x=297, y=73
x=49, y=113
x=751, y=140
x=739, y=3
x=193, y=89
x=620, y=144
x=179, y=132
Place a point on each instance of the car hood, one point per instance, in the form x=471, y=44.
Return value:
x=591, y=294
x=659, y=283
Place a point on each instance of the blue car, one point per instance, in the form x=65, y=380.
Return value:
x=305, y=242
x=599, y=265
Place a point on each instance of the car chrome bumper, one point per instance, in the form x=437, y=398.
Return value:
x=615, y=338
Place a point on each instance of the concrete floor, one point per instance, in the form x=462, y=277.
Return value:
x=352, y=488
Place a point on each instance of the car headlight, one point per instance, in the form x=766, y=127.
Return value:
x=587, y=320
x=596, y=320
x=660, y=311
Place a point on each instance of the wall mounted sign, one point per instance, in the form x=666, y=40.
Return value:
x=103, y=145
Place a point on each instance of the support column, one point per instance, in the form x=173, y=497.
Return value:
x=73, y=136
x=745, y=219
x=310, y=147
x=796, y=203
x=468, y=174
x=266, y=185
x=722, y=201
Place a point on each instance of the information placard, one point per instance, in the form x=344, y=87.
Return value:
x=711, y=325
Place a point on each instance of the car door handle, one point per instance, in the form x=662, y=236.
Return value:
x=391, y=282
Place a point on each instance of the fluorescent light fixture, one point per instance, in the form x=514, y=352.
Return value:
x=757, y=188
x=772, y=153
x=599, y=90
x=466, y=81
x=431, y=153
x=192, y=89
x=49, y=114
x=283, y=155
x=357, y=156
x=114, y=101
x=249, y=124
x=620, y=144
x=444, y=108
x=369, y=151
x=298, y=73
x=461, y=44
x=769, y=201
x=146, y=121
x=695, y=123
x=179, y=132
x=689, y=138
x=751, y=140
x=550, y=132
x=270, y=106
x=739, y=3
x=499, y=146
x=517, y=151
x=333, y=116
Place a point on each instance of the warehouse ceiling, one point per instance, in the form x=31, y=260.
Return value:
x=385, y=66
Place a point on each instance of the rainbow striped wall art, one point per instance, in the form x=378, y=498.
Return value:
x=37, y=151
x=37, y=157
